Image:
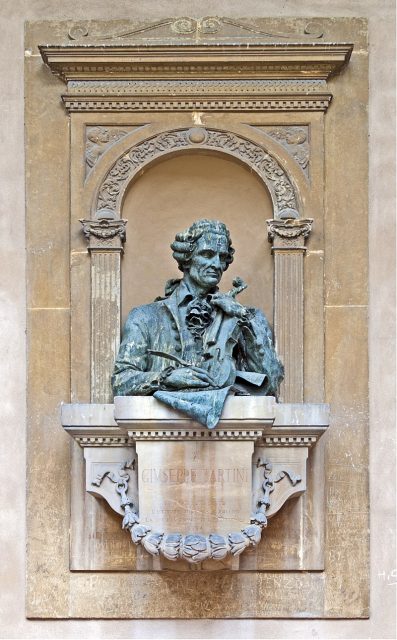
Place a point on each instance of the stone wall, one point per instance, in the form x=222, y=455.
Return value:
x=381, y=313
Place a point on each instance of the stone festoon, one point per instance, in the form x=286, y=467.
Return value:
x=194, y=346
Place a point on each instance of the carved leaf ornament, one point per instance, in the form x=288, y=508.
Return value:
x=194, y=547
x=280, y=187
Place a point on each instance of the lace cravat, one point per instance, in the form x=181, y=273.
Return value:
x=199, y=315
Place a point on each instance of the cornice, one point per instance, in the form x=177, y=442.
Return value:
x=262, y=61
x=295, y=425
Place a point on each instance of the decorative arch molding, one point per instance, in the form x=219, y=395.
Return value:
x=110, y=193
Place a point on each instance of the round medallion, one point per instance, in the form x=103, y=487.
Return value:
x=197, y=135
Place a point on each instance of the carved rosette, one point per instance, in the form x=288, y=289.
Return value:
x=195, y=547
x=290, y=233
x=105, y=234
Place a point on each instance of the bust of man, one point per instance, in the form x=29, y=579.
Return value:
x=196, y=345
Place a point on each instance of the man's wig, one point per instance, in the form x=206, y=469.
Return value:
x=184, y=243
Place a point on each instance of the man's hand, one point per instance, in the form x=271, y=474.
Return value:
x=188, y=377
x=229, y=305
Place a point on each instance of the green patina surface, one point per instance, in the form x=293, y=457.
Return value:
x=194, y=346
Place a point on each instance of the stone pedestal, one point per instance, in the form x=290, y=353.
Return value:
x=193, y=481
x=194, y=498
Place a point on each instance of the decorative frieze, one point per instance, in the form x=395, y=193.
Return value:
x=290, y=441
x=184, y=86
x=286, y=103
x=195, y=434
x=100, y=441
x=183, y=94
x=134, y=436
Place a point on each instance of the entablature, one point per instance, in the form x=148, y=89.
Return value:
x=189, y=76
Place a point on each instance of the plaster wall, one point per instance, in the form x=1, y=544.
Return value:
x=381, y=316
x=217, y=185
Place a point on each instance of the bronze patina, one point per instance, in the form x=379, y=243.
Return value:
x=194, y=346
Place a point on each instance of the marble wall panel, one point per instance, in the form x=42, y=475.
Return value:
x=346, y=178
x=47, y=155
x=346, y=462
x=48, y=463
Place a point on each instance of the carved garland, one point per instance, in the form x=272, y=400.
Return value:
x=289, y=233
x=104, y=229
x=280, y=187
x=195, y=548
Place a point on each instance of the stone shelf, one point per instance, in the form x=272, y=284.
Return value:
x=132, y=418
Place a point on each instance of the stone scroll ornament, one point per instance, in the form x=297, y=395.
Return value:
x=193, y=547
x=193, y=347
x=188, y=26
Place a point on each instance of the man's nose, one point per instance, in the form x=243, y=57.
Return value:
x=216, y=261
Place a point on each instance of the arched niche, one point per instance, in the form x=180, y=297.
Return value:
x=112, y=188
x=280, y=297
x=168, y=196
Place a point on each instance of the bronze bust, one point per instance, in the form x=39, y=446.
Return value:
x=195, y=345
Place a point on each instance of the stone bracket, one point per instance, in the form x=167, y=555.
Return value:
x=114, y=437
x=102, y=469
x=110, y=481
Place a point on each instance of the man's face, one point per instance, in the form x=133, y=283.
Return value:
x=209, y=260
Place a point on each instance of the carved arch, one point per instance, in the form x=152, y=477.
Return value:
x=110, y=193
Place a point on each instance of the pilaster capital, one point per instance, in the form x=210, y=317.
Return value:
x=105, y=234
x=290, y=233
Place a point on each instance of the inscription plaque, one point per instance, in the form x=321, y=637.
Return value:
x=195, y=486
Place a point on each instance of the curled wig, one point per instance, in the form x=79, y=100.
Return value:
x=184, y=243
